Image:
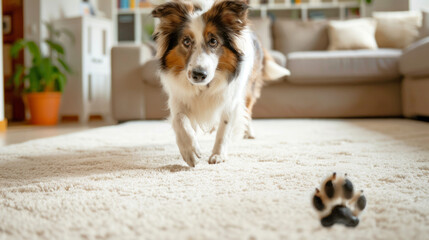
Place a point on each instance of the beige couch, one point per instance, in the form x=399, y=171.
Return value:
x=414, y=65
x=359, y=83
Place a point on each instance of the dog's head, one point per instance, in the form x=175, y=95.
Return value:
x=199, y=44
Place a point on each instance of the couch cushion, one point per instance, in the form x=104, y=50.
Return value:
x=262, y=28
x=352, y=34
x=397, y=29
x=292, y=36
x=351, y=66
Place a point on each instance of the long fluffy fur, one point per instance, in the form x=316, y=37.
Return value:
x=214, y=37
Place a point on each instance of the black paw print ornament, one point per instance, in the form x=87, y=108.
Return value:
x=337, y=202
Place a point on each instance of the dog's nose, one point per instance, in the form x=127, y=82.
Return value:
x=199, y=74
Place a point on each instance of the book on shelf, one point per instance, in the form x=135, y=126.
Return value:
x=131, y=4
x=144, y=4
x=124, y=4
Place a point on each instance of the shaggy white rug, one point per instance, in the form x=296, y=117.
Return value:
x=128, y=181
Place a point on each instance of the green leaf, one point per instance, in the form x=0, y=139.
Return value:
x=54, y=84
x=35, y=51
x=17, y=76
x=34, y=80
x=32, y=47
x=64, y=65
x=45, y=73
x=17, y=47
x=45, y=70
x=55, y=46
x=61, y=80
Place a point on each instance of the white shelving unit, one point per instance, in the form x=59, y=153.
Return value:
x=110, y=8
x=88, y=88
x=304, y=7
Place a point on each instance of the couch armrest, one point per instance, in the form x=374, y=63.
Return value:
x=128, y=100
x=414, y=61
x=279, y=57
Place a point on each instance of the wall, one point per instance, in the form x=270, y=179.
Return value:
x=56, y=9
x=396, y=5
x=37, y=12
x=387, y=5
x=419, y=4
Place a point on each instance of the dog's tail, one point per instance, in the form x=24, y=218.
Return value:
x=271, y=70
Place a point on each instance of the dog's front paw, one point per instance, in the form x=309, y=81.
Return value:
x=216, y=158
x=190, y=154
x=248, y=135
x=337, y=202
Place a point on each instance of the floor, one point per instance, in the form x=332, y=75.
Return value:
x=128, y=181
x=22, y=132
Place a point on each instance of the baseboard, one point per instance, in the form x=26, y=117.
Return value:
x=3, y=125
x=75, y=118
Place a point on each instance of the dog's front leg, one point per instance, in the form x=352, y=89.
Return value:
x=186, y=139
x=223, y=137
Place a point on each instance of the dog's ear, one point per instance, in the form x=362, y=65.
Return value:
x=229, y=19
x=173, y=16
x=231, y=14
x=174, y=12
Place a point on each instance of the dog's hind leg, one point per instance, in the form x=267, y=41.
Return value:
x=186, y=139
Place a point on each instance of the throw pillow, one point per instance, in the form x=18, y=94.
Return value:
x=352, y=34
x=293, y=36
x=397, y=29
x=424, y=30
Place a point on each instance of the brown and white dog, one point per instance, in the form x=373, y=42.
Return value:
x=213, y=69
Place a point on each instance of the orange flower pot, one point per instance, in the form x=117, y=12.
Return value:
x=44, y=107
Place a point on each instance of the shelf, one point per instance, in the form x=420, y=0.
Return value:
x=135, y=11
x=124, y=43
x=286, y=6
x=305, y=6
x=306, y=10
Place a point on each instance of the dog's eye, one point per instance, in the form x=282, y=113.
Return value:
x=213, y=42
x=187, y=42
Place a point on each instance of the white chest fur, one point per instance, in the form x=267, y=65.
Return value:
x=202, y=104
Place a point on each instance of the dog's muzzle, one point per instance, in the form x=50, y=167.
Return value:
x=199, y=75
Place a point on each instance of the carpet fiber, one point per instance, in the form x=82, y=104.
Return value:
x=128, y=181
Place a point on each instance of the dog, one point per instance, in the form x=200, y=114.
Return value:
x=212, y=68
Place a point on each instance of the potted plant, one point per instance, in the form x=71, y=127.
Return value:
x=44, y=80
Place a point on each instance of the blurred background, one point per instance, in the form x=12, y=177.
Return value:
x=76, y=64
